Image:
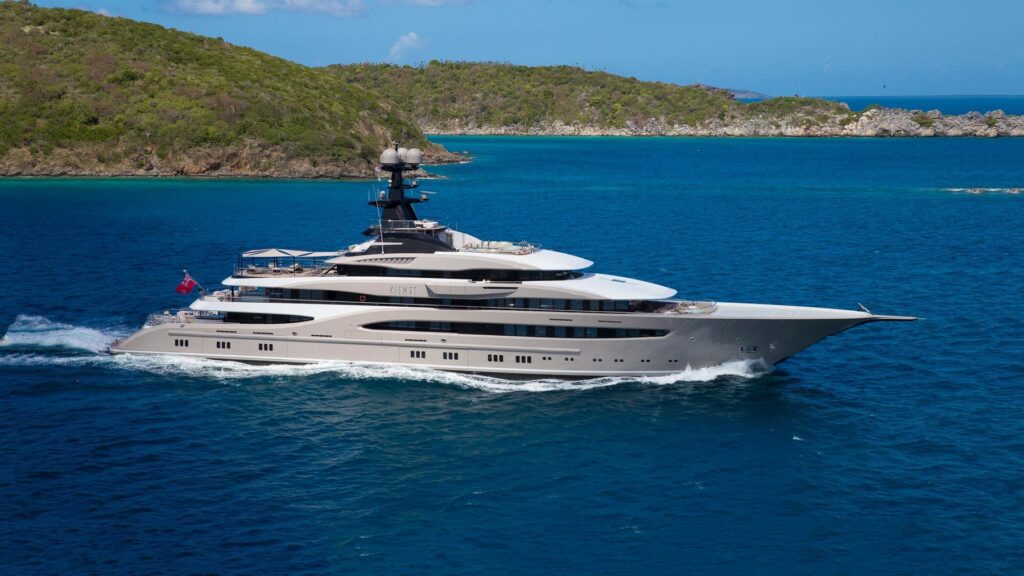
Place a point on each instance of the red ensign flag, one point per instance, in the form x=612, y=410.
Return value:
x=186, y=286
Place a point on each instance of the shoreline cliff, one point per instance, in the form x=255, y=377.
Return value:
x=873, y=123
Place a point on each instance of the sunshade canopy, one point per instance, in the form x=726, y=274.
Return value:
x=276, y=253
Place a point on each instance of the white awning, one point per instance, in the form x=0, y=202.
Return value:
x=276, y=253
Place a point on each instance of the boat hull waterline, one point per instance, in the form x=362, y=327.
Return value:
x=692, y=342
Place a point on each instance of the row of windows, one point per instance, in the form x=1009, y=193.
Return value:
x=539, y=331
x=517, y=303
x=493, y=275
x=226, y=345
x=529, y=359
x=266, y=347
x=248, y=318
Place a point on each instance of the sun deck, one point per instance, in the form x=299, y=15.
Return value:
x=495, y=247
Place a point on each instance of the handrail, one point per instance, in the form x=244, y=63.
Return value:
x=424, y=224
x=676, y=307
x=183, y=316
x=276, y=271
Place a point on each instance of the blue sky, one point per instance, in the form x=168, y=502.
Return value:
x=780, y=47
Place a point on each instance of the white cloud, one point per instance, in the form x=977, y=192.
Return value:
x=335, y=7
x=404, y=44
x=426, y=2
x=100, y=11
x=222, y=6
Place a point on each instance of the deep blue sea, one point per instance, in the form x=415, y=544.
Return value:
x=889, y=449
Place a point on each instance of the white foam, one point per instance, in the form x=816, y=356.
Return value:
x=1015, y=190
x=237, y=372
x=36, y=331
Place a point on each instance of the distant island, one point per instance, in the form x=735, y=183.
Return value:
x=83, y=94
x=493, y=98
x=747, y=94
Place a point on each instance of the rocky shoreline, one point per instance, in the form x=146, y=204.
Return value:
x=872, y=123
x=247, y=161
x=252, y=160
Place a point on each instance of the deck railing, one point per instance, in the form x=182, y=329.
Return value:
x=252, y=271
x=182, y=316
x=649, y=307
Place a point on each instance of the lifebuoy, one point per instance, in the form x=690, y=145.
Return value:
x=362, y=298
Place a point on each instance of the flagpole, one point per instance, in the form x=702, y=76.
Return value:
x=201, y=289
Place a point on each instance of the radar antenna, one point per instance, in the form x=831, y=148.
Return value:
x=396, y=205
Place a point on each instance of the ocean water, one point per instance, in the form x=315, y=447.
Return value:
x=892, y=448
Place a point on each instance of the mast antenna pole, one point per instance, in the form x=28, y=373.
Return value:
x=201, y=289
x=380, y=224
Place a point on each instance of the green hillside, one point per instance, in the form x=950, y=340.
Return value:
x=441, y=94
x=85, y=93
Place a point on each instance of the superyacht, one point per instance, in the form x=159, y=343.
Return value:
x=420, y=293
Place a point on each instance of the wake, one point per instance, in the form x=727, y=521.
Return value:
x=38, y=332
x=1013, y=191
x=34, y=341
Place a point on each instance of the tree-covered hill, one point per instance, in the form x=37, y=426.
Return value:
x=83, y=93
x=456, y=96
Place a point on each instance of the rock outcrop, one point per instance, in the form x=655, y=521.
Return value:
x=250, y=160
x=875, y=122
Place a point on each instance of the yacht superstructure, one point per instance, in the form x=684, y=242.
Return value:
x=420, y=293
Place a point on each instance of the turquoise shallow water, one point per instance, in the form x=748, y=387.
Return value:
x=888, y=449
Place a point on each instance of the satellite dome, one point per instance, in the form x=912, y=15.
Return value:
x=414, y=156
x=401, y=153
x=389, y=156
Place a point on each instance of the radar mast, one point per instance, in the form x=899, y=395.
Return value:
x=395, y=204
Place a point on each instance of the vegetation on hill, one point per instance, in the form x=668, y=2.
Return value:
x=85, y=93
x=440, y=95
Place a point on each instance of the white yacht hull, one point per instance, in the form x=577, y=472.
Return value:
x=732, y=332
